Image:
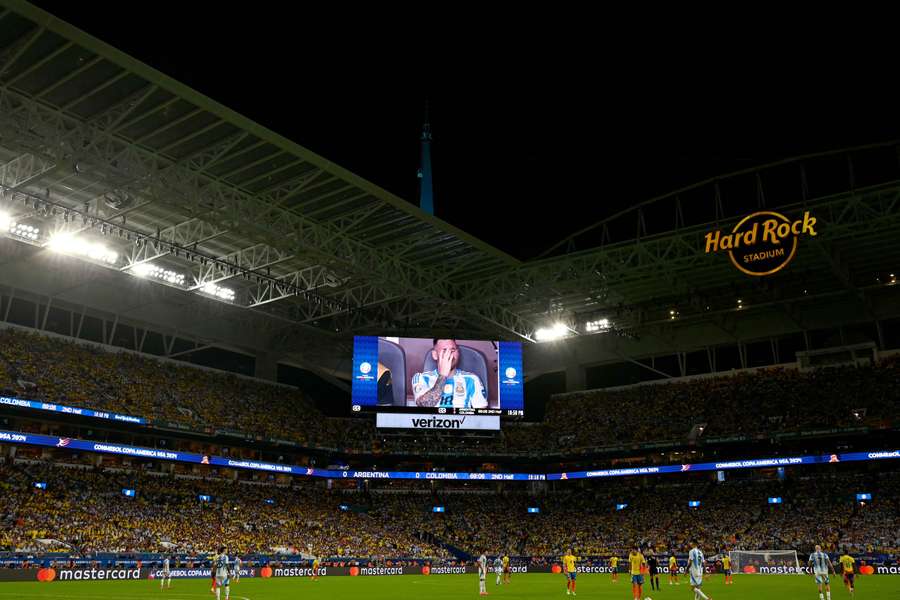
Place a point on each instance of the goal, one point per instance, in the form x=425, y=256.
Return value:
x=765, y=561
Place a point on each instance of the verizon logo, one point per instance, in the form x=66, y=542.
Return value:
x=438, y=423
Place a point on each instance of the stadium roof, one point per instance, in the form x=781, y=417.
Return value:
x=97, y=144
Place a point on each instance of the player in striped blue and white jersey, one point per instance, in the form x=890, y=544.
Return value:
x=820, y=565
x=447, y=386
x=696, y=566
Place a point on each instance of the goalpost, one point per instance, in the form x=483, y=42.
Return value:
x=765, y=561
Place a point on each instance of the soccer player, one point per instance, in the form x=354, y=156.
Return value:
x=447, y=385
x=314, y=572
x=847, y=563
x=237, y=569
x=212, y=571
x=653, y=569
x=614, y=567
x=498, y=568
x=726, y=567
x=673, y=570
x=223, y=577
x=821, y=564
x=482, y=574
x=570, y=571
x=696, y=562
x=636, y=564
x=506, y=569
x=166, y=574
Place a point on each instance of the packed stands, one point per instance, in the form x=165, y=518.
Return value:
x=53, y=369
x=84, y=510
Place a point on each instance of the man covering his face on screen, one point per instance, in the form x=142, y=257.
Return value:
x=446, y=385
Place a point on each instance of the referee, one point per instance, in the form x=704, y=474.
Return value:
x=653, y=567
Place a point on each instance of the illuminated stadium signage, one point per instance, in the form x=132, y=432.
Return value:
x=204, y=498
x=69, y=410
x=863, y=497
x=439, y=422
x=693, y=503
x=775, y=500
x=33, y=439
x=762, y=243
x=532, y=510
x=128, y=492
x=41, y=485
x=622, y=506
x=439, y=509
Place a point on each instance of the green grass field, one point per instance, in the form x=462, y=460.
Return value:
x=440, y=587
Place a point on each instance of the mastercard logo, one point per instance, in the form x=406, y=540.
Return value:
x=556, y=569
x=46, y=574
x=749, y=569
x=265, y=572
x=426, y=570
x=354, y=571
x=867, y=570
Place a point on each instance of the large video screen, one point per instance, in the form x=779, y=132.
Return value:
x=437, y=376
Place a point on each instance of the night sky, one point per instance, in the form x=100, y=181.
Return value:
x=542, y=123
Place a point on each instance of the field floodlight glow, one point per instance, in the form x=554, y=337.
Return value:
x=595, y=326
x=149, y=270
x=19, y=230
x=217, y=291
x=66, y=243
x=554, y=332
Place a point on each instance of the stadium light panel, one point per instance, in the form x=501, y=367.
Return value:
x=775, y=500
x=222, y=293
x=66, y=243
x=269, y=501
x=693, y=503
x=41, y=485
x=595, y=326
x=344, y=507
x=533, y=510
x=438, y=509
x=20, y=230
x=128, y=492
x=622, y=506
x=204, y=498
x=149, y=270
x=863, y=497
x=554, y=332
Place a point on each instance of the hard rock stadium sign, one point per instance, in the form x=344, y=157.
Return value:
x=762, y=243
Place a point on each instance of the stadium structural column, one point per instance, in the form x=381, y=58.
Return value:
x=266, y=366
x=575, y=378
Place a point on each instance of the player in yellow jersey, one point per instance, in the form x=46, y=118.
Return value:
x=673, y=570
x=847, y=563
x=726, y=567
x=315, y=569
x=636, y=563
x=614, y=567
x=569, y=569
x=506, y=569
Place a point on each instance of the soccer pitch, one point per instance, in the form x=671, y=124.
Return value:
x=440, y=587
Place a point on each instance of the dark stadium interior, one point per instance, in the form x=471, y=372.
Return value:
x=202, y=233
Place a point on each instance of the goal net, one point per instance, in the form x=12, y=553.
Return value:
x=765, y=561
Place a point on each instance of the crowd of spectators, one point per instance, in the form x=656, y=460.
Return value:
x=83, y=510
x=37, y=367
